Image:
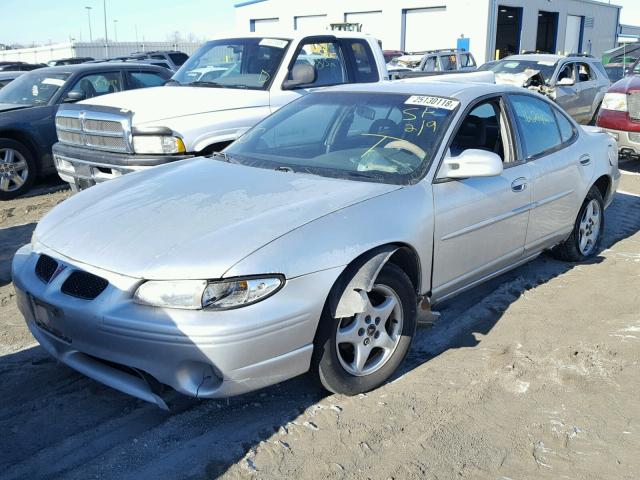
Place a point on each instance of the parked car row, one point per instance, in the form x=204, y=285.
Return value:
x=318, y=239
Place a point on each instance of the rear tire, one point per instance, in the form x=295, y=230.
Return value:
x=381, y=335
x=17, y=169
x=586, y=237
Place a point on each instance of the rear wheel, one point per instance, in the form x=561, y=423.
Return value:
x=17, y=169
x=359, y=353
x=588, y=229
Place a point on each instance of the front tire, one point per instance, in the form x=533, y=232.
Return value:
x=17, y=169
x=358, y=354
x=586, y=237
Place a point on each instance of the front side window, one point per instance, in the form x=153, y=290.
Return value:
x=98, y=84
x=328, y=61
x=567, y=72
x=431, y=64
x=537, y=125
x=144, y=80
x=466, y=60
x=386, y=138
x=247, y=63
x=35, y=88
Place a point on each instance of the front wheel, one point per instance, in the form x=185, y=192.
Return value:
x=588, y=229
x=17, y=169
x=359, y=353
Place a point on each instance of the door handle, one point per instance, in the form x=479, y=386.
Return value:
x=585, y=160
x=519, y=184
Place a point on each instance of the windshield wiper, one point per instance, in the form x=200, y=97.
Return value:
x=201, y=83
x=225, y=157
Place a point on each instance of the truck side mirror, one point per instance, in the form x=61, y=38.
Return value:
x=472, y=163
x=301, y=74
x=74, y=96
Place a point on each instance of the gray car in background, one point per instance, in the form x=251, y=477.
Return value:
x=577, y=82
x=8, y=77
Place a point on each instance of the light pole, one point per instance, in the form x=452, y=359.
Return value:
x=89, y=18
x=115, y=30
x=106, y=35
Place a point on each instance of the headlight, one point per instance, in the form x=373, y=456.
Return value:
x=214, y=295
x=615, y=101
x=158, y=144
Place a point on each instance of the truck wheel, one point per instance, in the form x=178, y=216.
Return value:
x=357, y=354
x=17, y=169
x=588, y=229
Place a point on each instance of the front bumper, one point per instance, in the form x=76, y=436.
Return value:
x=203, y=354
x=628, y=142
x=84, y=167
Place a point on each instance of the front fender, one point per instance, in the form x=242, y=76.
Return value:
x=400, y=217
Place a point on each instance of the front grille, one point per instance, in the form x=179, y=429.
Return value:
x=634, y=105
x=45, y=268
x=68, y=122
x=84, y=285
x=107, y=143
x=102, y=126
x=98, y=130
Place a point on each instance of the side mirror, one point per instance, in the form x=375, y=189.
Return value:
x=301, y=74
x=472, y=163
x=566, y=82
x=74, y=96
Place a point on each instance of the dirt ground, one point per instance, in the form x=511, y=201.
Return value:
x=534, y=375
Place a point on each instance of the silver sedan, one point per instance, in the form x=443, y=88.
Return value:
x=314, y=242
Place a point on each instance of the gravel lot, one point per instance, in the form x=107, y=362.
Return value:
x=535, y=375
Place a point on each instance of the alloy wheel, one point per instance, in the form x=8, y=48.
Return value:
x=14, y=170
x=590, y=227
x=366, y=341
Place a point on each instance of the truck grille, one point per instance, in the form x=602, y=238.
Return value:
x=634, y=105
x=97, y=130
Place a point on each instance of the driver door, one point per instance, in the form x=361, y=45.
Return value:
x=480, y=223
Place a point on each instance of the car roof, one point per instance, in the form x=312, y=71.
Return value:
x=297, y=35
x=464, y=91
x=93, y=67
x=549, y=57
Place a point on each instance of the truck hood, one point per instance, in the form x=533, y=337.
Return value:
x=161, y=103
x=192, y=219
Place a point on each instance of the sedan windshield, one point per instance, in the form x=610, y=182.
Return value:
x=238, y=63
x=35, y=88
x=546, y=68
x=386, y=138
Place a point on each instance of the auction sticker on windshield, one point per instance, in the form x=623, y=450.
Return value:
x=273, y=42
x=436, y=102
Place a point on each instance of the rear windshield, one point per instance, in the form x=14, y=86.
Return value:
x=385, y=138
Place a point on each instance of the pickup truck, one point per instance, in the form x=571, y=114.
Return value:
x=226, y=87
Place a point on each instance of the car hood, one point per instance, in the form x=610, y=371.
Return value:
x=192, y=219
x=626, y=84
x=7, y=107
x=521, y=79
x=161, y=103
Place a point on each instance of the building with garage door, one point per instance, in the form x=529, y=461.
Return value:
x=491, y=28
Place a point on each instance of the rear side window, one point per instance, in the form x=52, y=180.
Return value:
x=178, y=58
x=449, y=62
x=365, y=65
x=144, y=80
x=566, y=129
x=327, y=59
x=431, y=65
x=466, y=60
x=537, y=125
x=584, y=72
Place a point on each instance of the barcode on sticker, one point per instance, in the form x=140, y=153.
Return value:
x=435, y=102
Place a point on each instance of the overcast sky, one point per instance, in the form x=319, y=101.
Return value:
x=41, y=21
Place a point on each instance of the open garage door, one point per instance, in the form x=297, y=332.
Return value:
x=372, y=22
x=425, y=29
x=508, y=31
x=573, y=34
x=547, y=32
x=265, y=25
x=311, y=22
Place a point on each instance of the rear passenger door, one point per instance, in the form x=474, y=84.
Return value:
x=587, y=89
x=558, y=166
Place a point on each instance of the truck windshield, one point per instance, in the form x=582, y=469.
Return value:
x=34, y=88
x=546, y=68
x=234, y=63
x=376, y=137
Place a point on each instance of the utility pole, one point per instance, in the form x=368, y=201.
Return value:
x=89, y=18
x=106, y=35
x=115, y=29
x=137, y=43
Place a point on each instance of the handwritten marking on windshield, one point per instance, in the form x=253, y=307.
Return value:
x=382, y=139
